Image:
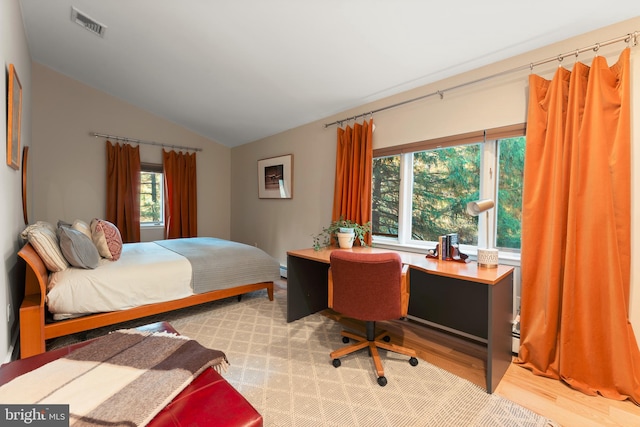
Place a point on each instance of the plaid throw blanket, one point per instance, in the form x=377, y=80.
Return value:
x=122, y=379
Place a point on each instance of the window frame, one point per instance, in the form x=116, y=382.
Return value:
x=489, y=163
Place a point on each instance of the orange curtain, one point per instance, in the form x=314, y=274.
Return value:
x=576, y=231
x=180, y=214
x=123, y=190
x=354, y=173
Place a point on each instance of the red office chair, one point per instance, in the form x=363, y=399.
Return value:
x=369, y=287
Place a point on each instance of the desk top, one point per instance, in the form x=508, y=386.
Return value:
x=466, y=271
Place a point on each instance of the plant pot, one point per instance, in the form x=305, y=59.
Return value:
x=345, y=240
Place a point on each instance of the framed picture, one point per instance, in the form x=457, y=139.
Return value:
x=275, y=177
x=14, y=113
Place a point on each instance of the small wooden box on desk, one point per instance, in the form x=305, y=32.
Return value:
x=461, y=298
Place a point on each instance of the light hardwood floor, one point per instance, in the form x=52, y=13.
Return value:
x=547, y=397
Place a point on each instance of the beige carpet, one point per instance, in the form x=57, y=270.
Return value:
x=284, y=370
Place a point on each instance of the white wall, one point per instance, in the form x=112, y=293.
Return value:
x=281, y=225
x=68, y=169
x=13, y=50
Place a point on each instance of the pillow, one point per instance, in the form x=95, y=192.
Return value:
x=107, y=239
x=42, y=237
x=83, y=227
x=77, y=248
x=38, y=224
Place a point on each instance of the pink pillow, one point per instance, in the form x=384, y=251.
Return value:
x=107, y=239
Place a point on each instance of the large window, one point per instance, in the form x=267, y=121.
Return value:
x=151, y=195
x=422, y=191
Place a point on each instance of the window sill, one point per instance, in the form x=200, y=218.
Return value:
x=152, y=226
x=504, y=257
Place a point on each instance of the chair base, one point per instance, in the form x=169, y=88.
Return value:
x=373, y=342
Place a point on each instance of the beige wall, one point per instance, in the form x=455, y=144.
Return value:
x=281, y=225
x=68, y=166
x=13, y=50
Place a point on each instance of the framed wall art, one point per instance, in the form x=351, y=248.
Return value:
x=14, y=114
x=275, y=177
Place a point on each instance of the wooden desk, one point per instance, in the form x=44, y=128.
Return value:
x=457, y=297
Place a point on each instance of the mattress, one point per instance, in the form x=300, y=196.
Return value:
x=145, y=273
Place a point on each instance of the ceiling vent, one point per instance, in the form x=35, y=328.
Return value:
x=87, y=23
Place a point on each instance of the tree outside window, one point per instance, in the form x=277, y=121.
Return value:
x=151, y=197
x=510, y=179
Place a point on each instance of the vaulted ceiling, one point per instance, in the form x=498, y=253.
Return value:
x=237, y=71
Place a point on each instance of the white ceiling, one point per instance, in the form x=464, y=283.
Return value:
x=237, y=71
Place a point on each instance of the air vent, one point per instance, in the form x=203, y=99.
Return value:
x=87, y=23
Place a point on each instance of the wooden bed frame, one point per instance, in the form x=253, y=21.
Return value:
x=34, y=331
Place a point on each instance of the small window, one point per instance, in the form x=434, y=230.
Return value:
x=151, y=194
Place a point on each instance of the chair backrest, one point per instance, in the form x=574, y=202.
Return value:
x=366, y=286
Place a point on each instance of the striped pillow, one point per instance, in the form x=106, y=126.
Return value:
x=42, y=237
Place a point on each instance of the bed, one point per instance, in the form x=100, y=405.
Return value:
x=148, y=278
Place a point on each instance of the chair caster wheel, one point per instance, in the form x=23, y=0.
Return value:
x=382, y=381
x=386, y=338
x=336, y=363
x=413, y=361
x=345, y=340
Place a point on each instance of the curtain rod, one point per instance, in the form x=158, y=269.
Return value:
x=139, y=141
x=631, y=38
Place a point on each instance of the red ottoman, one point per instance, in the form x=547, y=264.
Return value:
x=208, y=401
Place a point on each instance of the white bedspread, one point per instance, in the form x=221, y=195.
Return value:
x=144, y=274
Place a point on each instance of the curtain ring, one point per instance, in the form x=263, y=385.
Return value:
x=441, y=94
x=560, y=58
x=596, y=48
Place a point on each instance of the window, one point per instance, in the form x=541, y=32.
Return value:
x=421, y=190
x=386, y=196
x=151, y=195
x=444, y=181
x=510, y=179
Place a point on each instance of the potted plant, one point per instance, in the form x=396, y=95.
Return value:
x=341, y=230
